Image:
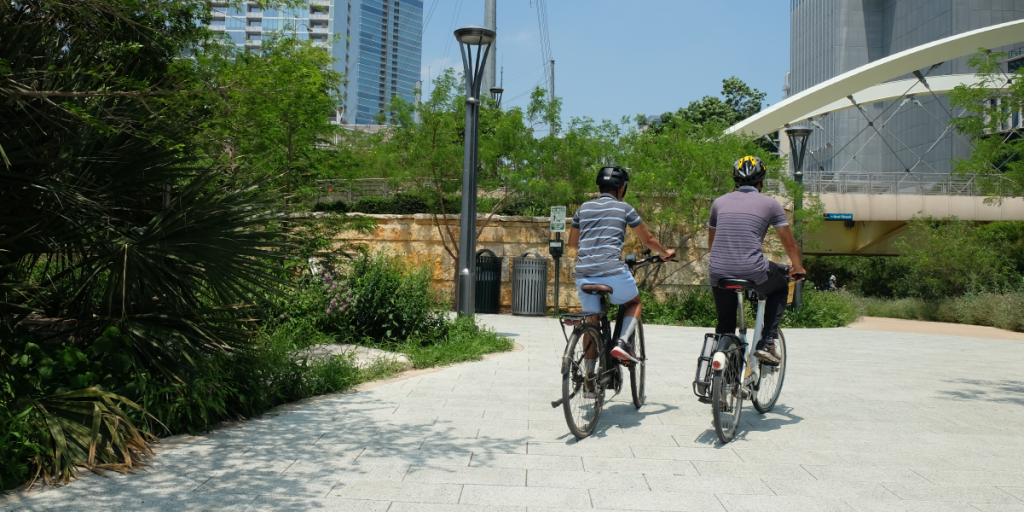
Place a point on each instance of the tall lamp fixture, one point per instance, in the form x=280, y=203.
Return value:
x=470, y=38
x=798, y=137
x=496, y=94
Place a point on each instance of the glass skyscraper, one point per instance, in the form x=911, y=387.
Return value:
x=379, y=49
x=830, y=37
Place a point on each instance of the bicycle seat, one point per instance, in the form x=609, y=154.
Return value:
x=736, y=284
x=595, y=289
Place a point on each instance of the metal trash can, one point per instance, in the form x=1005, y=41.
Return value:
x=488, y=282
x=529, y=284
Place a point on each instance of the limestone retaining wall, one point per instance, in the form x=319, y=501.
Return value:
x=419, y=239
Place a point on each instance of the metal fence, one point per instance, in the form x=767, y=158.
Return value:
x=352, y=190
x=901, y=183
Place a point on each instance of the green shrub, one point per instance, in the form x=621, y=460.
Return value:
x=822, y=310
x=1000, y=310
x=696, y=308
x=331, y=206
x=390, y=302
x=464, y=342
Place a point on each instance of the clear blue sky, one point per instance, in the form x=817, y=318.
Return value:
x=624, y=57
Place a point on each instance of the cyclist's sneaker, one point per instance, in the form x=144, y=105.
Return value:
x=624, y=351
x=768, y=355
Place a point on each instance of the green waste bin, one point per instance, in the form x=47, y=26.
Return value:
x=488, y=282
x=529, y=284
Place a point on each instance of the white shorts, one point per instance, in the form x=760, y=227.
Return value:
x=623, y=290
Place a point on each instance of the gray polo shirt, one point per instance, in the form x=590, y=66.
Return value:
x=740, y=220
x=602, y=224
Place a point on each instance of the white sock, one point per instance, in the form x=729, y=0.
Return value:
x=628, y=326
x=590, y=364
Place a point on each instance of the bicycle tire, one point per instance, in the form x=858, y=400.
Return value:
x=772, y=377
x=726, y=401
x=638, y=373
x=581, y=414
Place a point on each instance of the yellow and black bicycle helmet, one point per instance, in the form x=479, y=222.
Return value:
x=749, y=170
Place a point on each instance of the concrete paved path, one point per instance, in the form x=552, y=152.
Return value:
x=867, y=421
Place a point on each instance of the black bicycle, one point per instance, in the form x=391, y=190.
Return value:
x=583, y=391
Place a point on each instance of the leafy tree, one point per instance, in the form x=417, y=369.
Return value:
x=738, y=102
x=428, y=156
x=992, y=103
x=267, y=114
x=948, y=258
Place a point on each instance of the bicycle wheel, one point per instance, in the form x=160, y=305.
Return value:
x=726, y=401
x=581, y=414
x=638, y=373
x=771, y=380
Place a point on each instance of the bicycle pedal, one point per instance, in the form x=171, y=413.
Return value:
x=703, y=399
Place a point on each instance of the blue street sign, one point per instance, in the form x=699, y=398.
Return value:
x=838, y=216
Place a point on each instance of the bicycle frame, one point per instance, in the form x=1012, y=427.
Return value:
x=749, y=359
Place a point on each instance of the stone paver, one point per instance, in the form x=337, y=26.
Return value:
x=868, y=421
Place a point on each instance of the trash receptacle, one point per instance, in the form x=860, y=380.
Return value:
x=488, y=282
x=529, y=284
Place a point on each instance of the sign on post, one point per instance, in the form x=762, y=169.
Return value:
x=838, y=216
x=558, y=219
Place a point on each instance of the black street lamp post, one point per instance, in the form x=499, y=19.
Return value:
x=470, y=37
x=798, y=136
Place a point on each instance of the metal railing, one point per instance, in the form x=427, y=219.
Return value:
x=894, y=183
x=352, y=190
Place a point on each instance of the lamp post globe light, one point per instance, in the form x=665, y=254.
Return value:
x=470, y=38
x=798, y=137
x=496, y=94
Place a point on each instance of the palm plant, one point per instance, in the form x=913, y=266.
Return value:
x=108, y=221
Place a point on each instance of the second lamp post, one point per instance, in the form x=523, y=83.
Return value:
x=480, y=38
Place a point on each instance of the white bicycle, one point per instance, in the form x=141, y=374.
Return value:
x=732, y=358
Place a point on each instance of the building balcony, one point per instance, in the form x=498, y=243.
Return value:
x=254, y=30
x=319, y=2
x=319, y=16
x=217, y=28
x=321, y=44
x=253, y=43
x=318, y=30
x=217, y=15
x=254, y=15
x=219, y=3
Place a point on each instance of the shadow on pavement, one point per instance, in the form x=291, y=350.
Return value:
x=989, y=390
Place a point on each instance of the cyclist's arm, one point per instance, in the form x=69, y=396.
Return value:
x=792, y=249
x=648, y=240
x=711, y=238
x=574, y=238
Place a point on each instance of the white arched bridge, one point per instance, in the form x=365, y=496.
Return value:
x=870, y=207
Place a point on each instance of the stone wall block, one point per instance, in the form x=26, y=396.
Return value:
x=417, y=238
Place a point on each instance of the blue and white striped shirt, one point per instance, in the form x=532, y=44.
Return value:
x=602, y=224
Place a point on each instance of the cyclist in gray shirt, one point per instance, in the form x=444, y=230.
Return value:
x=736, y=230
x=598, y=234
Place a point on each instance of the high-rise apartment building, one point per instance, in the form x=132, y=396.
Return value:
x=831, y=37
x=378, y=48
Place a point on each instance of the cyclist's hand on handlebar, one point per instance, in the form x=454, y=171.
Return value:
x=797, y=273
x=668, y=254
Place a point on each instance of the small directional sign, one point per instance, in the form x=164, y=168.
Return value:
x=838, y=216
x=558, y=219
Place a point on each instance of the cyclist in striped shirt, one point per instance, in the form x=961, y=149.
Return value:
x=598, y=233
